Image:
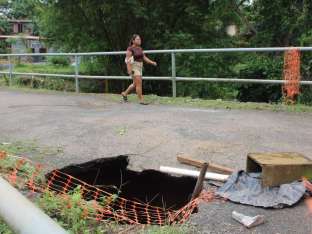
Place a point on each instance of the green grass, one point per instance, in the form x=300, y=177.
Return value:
x=4, y=229
x=174, y=229
x=30, y=148
x=44, y=68
x=27, y=89
x=49, y=68
x=18, y=147
x=69, y=212
x=214, y=104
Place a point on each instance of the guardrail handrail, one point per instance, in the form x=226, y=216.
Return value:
x=174, y=78
x=207, y=50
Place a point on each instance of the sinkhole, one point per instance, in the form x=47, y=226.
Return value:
x=112, y=175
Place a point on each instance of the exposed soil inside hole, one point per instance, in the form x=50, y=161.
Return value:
x=149, y=186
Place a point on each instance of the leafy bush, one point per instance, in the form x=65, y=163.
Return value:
x=260, y=67
x=59, y=60
x=92, y=66
x=305, y=96
x=59, y=84
x=4, y=47
x=4, y=229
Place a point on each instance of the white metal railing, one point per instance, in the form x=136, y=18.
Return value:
x=174, y=78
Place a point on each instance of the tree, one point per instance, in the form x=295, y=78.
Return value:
x=282, y=23
x=279, y=23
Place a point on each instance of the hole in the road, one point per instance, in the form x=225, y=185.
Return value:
x=149, y=186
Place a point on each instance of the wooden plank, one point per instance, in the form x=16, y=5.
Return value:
x=220, y=168
x=200, y=181
x=200, y=163
x=190, y=161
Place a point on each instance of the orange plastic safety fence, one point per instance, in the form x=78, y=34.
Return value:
x=106, y=206
x=291, y=88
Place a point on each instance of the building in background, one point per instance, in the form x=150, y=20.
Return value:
x=21, y=38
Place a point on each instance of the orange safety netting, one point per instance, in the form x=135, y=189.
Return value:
x=115, y=208
x=291, y=87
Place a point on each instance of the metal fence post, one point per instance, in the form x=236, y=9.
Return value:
x=10, y=70
x=32, y=82
x=173, y=75
x=77, y=73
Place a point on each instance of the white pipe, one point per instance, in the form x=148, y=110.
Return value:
x=22, y=215
x=186, y=172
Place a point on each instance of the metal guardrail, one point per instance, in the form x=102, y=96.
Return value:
x=174, y=78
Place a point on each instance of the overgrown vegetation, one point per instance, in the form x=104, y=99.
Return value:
x=59, y=60
x=44, y=68
x=71, y=213
x=88, y=67
x=4, y=229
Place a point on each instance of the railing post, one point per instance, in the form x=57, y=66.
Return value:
x=173, y=75
x=10, y=70
x=76, y=73
x=32, y=82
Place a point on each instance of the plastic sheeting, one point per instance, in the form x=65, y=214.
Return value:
x=246, y=188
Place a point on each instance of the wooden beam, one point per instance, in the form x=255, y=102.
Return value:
x=200, y=181
x=200, y=163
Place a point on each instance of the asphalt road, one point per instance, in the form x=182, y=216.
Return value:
x=92, y=126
